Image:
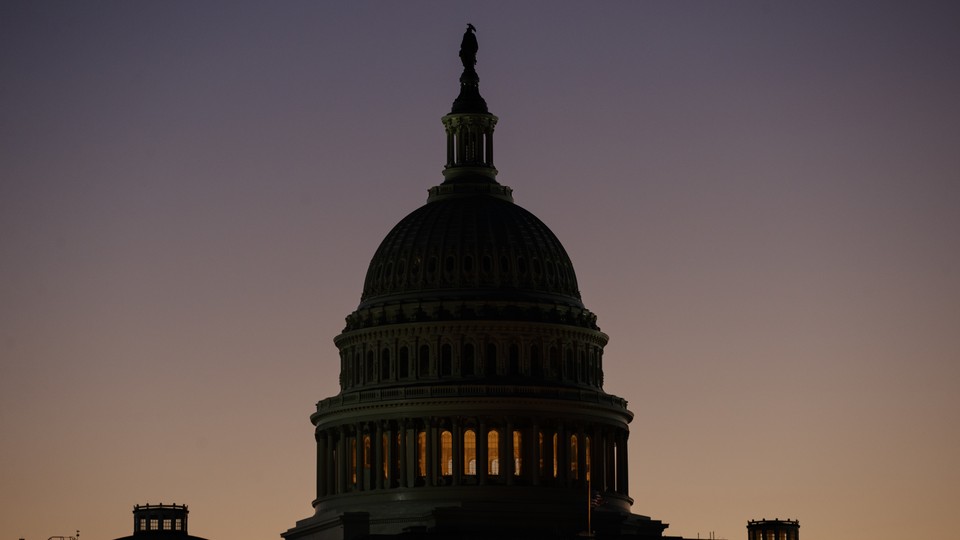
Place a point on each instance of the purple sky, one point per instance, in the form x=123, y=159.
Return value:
x=761, y=200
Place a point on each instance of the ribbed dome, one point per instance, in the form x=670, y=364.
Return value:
x=470, y=246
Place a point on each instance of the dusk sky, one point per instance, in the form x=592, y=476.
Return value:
x=761, y=201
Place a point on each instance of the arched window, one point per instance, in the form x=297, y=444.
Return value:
x=369, y=373
x=555, y=471
x=424, y=362
x=493, y=452
x=517, y=452
x=353, y=460
x=404, y=362
x=490, y=368
x=536, y=362
x=385, y=454
x=446, y=360
x=574, y=473
x=542, y=464
x=554, y=362
x=446, y=453
x=385, y=364
x=514, y=359
x=366, y=452
x=470, y=452
x=586, y=451
x=421, y=453
x=467, y=362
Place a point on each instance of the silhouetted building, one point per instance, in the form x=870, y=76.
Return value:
x=471, y=399
x=773, y=529
x=160, y=522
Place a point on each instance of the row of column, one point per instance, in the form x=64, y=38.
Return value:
x=432, y=452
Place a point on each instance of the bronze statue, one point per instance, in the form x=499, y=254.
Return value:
x=468, y=48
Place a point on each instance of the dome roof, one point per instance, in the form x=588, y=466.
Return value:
x=474, y=244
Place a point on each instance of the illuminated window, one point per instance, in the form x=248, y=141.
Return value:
x=493, y=452
x=167, y=524
x=178, y=524
x=385, y=453
x=446, y=452
x=574, y=473
x=143, y=524
x=555, y=455
x=366, y=451
x=517, y=452
x=154, y=524
x=422, y=453
x=470, y=452
x=540, y=451
x=587, y=455
x=353, y=460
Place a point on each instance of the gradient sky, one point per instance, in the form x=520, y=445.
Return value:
x=761, y=200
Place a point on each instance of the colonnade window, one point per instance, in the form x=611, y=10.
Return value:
x=385, y=449
x=421, y=453
x=556, y=458
x=517, y=452
x=446, y=452
x=470, y=452
x=493, y=452
x=574, y=473
x=587, y=456
x=369, y=366
x=353, y=460
x=366, y=452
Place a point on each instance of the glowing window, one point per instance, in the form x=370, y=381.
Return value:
x=555, y=455
x=154, y=524
x=446, y=452
x=587, y=455
x=167, y=524
x=517, y=452
x=143, y=524
x=574, y=473
x=422, y=453
x=493, y=452
x=178, y=524
x=353, y=460
x=470, y=452
x=366, y=451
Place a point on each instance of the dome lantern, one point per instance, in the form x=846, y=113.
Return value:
x=469, y=125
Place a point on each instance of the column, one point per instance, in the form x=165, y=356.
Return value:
x=404, y=466
x=482, y=452
x=343, y=464
x=457, y=448
x=377, y=457
x=507, y=463
x=321, y=464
